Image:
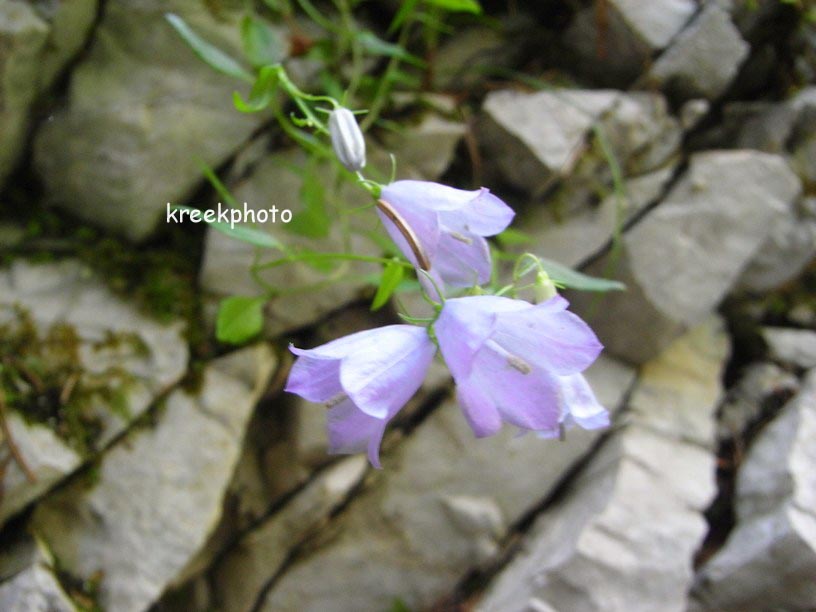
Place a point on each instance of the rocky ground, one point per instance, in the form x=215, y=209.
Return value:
x=670, y=144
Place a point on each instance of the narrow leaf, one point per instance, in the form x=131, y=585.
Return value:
x=313, y=221
x=262, y=44
x=390, y=280
x=513, y=237
x=573, y=279
x=457, y=6
x=243, y=233
x=403, y=13
x=240, y=318
x=378, y=46
x=210, y=54
x=263, y=91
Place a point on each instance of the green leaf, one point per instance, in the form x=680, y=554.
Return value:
x=378, y=46
x=513, y=237
x=403, y=13
x=240, y=318
x=263, y=91
x=573, y=279
x=210, y=54
x=313, y=221
x=243, y=233
x=458, y=6
x=249, y=235
x=213, y=179
x=262, y=44
x=390, y=280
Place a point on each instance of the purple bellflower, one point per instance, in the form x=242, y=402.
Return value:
x=448, y=226
x=520, y=363
x=363, y=379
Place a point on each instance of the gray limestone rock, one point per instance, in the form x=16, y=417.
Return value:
x=142, y=108
x=703, y=59
x=769, y=559
x=633, y=32
x=682, y=258
x=790, y=246
x=242, y=574
x=442, y=501
x=27, y=579
x=572, y=240
x=125, y=361
x=762, y=387
x=537, y=138
x=623, y=535
x=158, y=494
x=796, y=347
x=36, y=42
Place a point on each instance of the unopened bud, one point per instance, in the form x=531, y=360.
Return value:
x=544, y=288
x=347, y=139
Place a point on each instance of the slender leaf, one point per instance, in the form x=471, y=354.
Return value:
x=402, y=14
x=213, y=179
x=390, y=280
x=243, y=233
x=209, y=53
x=313, y=221
x=378, y=46
x=263, y=91
x=262, y=44
x=572, y=279
x=513, y=237
x=240, y=318
x=458, y=6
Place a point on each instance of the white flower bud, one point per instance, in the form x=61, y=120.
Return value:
x=544, y=288
x=347, y=139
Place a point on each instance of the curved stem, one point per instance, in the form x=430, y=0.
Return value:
x=340, y=256
x=407, y=233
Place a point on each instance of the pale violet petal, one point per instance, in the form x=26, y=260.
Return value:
x=316, y=379
x=381, y=377
x=350, y=430
x=465, y=324
x=481, y=414
x=483, y=215
x=554, y=340
x=581, y=404
x=426, y=195
x=463, y=260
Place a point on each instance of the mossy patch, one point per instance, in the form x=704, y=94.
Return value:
x=42, y=378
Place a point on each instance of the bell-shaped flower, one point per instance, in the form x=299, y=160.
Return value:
x=520, y=363
x=449, y=226
x=364, y=379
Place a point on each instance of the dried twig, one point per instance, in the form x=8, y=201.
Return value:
x=15, y=451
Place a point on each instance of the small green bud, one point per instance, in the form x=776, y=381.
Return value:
x=347, y=139
x=544, y=288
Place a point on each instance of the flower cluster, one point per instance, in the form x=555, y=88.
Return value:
x=512, y=361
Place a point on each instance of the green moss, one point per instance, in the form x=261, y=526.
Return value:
x=43, y=380
x=159, y=278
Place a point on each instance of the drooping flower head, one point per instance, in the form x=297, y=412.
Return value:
x=520, y=363
x=363, y=379
x=449, y=225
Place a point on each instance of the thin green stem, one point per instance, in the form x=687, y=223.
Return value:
x=328, y=256
x=381, y=96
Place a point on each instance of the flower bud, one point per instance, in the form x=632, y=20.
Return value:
x=347, y=139
x=544, y=288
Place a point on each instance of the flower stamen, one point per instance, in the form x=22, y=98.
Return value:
x=340, y=397
x=461, y=238
x=517, y=363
